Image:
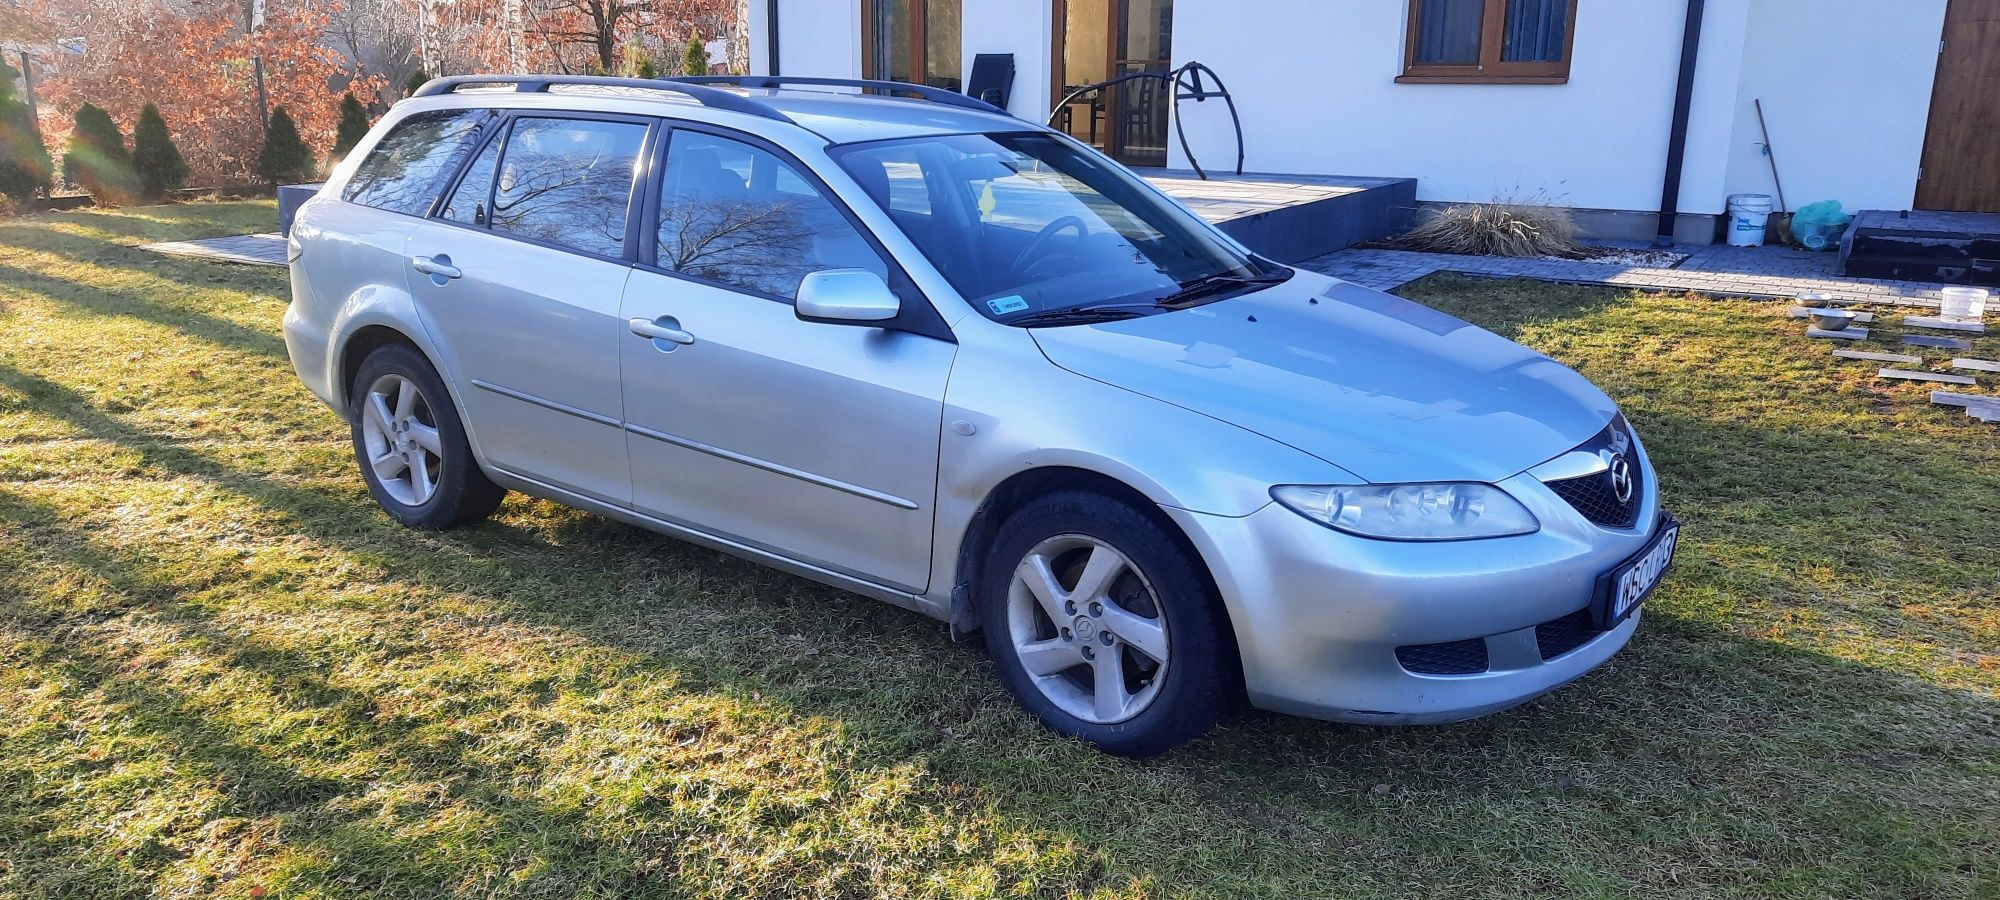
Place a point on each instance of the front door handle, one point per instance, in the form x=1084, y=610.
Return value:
x=438, y=266
x=662, y=329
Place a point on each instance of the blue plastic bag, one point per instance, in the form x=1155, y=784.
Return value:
x=1818, y=226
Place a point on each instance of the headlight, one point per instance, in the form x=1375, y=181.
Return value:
x=1453, y=511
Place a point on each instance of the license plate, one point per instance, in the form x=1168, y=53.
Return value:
x=1633, y=579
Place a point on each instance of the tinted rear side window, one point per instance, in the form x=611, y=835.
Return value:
x=405, y=171
x=468, y=203
x=568, y=182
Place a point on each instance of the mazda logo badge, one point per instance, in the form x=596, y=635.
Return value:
x=1621, y=478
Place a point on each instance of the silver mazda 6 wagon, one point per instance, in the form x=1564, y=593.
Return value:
x=893, y=339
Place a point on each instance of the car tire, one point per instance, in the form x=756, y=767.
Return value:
x=1061, y=536
x=412, y=437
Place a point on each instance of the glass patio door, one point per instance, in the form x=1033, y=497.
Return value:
x=913, y=41
x=1101, y=40
x=1145, y=36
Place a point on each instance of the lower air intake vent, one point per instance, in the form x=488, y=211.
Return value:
x=1559, y=636
x=1466, y=657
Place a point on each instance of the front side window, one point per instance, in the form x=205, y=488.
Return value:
x=403, y=173
x=1526, y=41
x=735, y=213
x=567, y=182
x=1023, y=224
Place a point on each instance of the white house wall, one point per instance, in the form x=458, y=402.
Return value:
x=756, y=24
x=1846, y=83
x=815, y=37
x=1846, y=86
x=1314, y=81
x=1020, y=27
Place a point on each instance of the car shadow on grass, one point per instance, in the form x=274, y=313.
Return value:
x=1700, y=758
x=112, y=304
x=260, y=773
x=111, y=243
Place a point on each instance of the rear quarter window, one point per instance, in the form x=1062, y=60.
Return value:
x=407, y=169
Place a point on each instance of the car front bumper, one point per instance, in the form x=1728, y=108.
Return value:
x=1319, y=614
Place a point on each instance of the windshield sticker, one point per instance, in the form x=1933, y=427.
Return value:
x=1011, y=303
x=987, y=204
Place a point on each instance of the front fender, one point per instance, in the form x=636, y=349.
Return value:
x=1024, y=412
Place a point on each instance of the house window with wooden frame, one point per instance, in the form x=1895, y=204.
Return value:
x=1489, y=41
x=912, y=41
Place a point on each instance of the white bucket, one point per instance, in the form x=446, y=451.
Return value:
x=1747, y=215
x=1962, y=304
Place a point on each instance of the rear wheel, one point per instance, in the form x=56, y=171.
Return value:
x=1102, y=626
x=412, y=446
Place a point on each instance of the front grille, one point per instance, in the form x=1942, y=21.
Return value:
x=1596, y=495
x=1559, y=636
x=1466, y=657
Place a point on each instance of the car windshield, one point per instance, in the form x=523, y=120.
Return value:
x=1025, y=225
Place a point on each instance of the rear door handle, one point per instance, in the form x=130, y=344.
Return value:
x=662, y=329
x=439, y=265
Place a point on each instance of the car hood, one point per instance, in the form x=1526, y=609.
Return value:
x=1385, y=388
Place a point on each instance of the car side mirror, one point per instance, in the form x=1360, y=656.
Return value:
x=846, y=297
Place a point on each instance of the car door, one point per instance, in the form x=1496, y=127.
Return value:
x=815, y=441
x=519, y=277
x=360, y=244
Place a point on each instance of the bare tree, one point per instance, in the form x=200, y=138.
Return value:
x=575, y=35
x=380, y=37
x=593, y=25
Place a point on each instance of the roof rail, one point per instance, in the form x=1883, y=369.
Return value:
x=935, y=95
x=525, y=84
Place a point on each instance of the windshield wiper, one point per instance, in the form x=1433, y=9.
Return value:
x=1190, y=291
x=1084, y=315
x=1202, y=287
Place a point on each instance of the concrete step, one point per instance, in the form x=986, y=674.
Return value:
x=1293, y=218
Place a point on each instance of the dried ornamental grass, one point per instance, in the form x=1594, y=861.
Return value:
x=1495, y=229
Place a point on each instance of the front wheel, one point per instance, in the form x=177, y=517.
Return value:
x=412, y=447
x=1101, y=625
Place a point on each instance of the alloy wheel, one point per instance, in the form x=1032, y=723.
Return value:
x=1088, y=628
x=399, y=432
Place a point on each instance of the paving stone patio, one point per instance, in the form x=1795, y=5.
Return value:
x=249, y=249
x=1759, y=272
x=1223, y=197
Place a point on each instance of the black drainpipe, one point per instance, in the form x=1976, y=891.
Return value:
x=771, y=34
x=1677, y=139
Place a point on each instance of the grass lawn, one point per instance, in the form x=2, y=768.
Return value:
x=224, y=672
